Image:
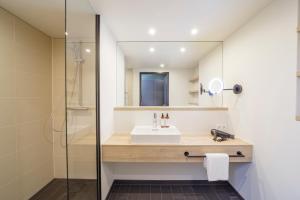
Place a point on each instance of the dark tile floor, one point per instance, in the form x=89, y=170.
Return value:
x=172, y=190
x=140, y=190
x=80, y=189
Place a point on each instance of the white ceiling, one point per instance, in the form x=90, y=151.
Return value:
x=137, y=54
x=49, y=16
x=173, y=19
x=131, y=19
x=45, y=15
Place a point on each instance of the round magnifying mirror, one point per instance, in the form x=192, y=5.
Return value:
x=216, y=86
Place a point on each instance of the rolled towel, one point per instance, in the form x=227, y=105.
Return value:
x=217, y=166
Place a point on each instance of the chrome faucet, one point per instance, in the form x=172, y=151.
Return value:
x=155, y=121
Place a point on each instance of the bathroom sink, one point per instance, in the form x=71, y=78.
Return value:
x=148, y=134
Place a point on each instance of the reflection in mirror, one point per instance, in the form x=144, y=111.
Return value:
x=168, y=73
x=154, y=89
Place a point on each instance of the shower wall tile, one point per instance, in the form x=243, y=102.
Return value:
x=60, y=169
x=31, y=109
x=31, y=182
x=28, y=63
x=58, y=68
x=10, y=191
x=27, y=86
x=35, y=154
x=7, y=112
x=6, y=41
x=79, y=169
x=58, y=107
x=30, y=38
x=7, y=82
x=33, y=134
x=26, y=143
x=59, y=140
x=8, y=163
x=7, y=26
x=8, y=141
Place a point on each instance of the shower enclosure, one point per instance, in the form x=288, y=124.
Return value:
x=49, y=101
x=82, y=150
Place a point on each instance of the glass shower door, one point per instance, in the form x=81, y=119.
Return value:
x=81, y=100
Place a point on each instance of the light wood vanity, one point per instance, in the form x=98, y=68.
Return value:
x=119, y=148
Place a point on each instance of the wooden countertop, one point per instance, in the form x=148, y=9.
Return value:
x=119, y=148
x=169, y=108
x=186, y=140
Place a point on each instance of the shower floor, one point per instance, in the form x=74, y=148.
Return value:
x=80, y=189
x=172, y=190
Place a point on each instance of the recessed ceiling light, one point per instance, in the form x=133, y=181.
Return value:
x=194, y=31
x=182, y=49
x=152, y=31
x=162, y=65
x=151, y=49
x=88, y=50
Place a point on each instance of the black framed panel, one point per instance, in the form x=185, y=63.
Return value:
x=154, y=88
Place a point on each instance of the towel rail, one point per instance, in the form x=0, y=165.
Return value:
x=238, y=154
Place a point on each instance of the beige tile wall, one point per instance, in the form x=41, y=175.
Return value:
x=58, y=106
x=26, y=144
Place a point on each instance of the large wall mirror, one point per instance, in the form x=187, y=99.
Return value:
x=168, y=73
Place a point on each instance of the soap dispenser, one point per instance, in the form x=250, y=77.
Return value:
x=167, y=121
x=162, y=120
x=154, y=122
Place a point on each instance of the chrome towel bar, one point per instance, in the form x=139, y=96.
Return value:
x=238, y=154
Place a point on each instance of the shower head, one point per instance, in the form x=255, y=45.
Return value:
x=77, y=52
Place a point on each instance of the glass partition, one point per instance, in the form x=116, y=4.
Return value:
x=81, y=100
x=48, y=100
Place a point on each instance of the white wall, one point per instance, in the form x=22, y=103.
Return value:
x=120, y=77
x=210, y=67
x=178, y=85
x=107, y=95
x=188, y=122
x=262, y=56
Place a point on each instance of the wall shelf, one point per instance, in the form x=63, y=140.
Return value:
x=298, y=74
x=194, y=91
x=194, y=88
x=298, y=118
x=194, y=79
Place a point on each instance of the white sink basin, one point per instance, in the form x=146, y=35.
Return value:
x=147, y=134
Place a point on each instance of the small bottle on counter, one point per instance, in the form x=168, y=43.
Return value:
x=154, y=122
x=167, y=121
x=162, y=120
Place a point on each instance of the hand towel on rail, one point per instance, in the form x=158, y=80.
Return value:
x=217, y=166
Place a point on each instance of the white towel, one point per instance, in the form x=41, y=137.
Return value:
x=217, y=166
